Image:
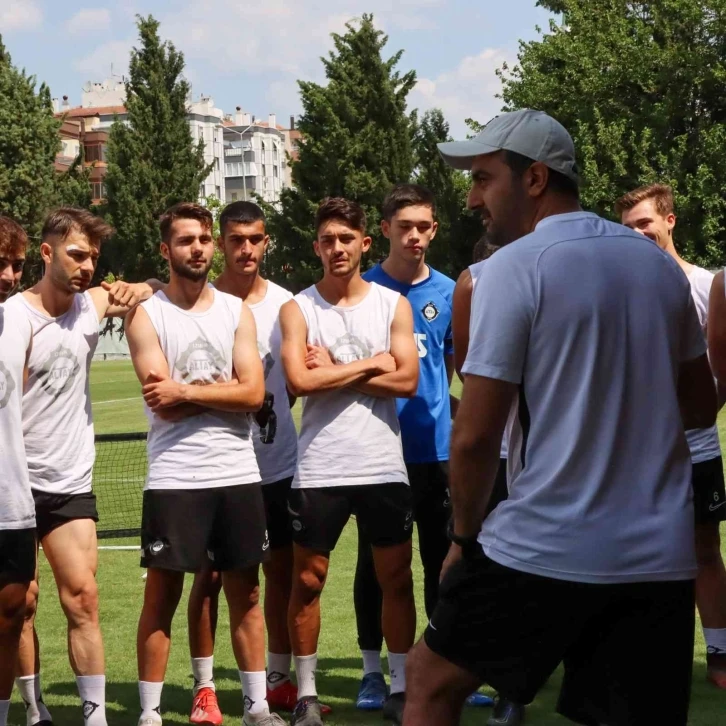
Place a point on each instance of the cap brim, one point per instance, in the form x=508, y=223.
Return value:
x=461, y=154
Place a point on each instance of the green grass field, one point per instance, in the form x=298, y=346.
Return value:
x=117, y=408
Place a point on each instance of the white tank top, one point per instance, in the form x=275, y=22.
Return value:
x=213, y=449
x=474, y=271
x=17, y=510
x=276, y=460
x=57, y=417
x=349, y=438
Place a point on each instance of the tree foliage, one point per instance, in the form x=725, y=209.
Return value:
x=153, y=161
x=451, y=250
x=29, y=142
x=357, y=143
x=640, y=87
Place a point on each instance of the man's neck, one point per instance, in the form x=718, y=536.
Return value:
x=251, y=288
x=345, y=291
x=408, y=272
x=188, y=294
x=553, y=205
x=670, y=248
x=51, y=300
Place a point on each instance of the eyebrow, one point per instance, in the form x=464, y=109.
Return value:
x=480, y=175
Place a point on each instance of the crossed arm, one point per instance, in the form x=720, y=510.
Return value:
x=309, y=369
x=244, y=394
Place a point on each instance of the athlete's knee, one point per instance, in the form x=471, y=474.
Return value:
x=309, y=584
x=394, y=573
x=80, y=602
x=708, y=546
x=207, y=584
x=12, y=607
x=31, y=602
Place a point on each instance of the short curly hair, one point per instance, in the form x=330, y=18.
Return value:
x=13, y=240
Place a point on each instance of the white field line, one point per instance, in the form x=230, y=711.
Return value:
x=118, y=400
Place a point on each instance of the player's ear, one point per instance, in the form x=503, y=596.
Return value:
x=386, y=228
x=220, y=243
x=164, y=249
x=434, y=229
x=367, y=242
x=316, y=248
x=46, y=252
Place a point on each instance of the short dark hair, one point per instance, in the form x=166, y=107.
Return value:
x=13, y=240
x=241, y=213
x=64, y=220
x=407, y=195
x=557, y=182
x=184, y=210
x=661, y=194
x=483, y=250
x=341, y=209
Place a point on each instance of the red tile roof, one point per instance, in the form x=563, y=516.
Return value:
x=83, y=112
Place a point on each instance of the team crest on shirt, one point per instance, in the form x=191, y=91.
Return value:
x=201, y=363
x=349, y=348
x=430, y=312
x=59, y=371
x=7, y=385
x=267, y=360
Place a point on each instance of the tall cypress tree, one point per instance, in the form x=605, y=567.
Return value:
x=356, y=144
x=29, y=142
x=153, y=162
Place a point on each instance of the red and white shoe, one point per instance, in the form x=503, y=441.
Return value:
x=205, y=709
x=284, y=698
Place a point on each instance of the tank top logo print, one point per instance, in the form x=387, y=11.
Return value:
x=201, y=362
x=349, y=348
x=59, y=371
x=267, y=360
x=7, y=385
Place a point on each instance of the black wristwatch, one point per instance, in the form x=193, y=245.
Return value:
x=469, y=545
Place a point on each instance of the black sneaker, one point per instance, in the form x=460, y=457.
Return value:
x=307, y=712
x=393, y=708
x=506, y=713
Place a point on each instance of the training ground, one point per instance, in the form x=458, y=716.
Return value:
x=117, y=408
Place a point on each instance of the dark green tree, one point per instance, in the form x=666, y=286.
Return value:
x=459, y=229
x=29, y=142
x=356, y=144
x=639, y=85
x=153, y=161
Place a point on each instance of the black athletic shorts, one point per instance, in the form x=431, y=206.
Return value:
x=279, y=530
x=53, y=510
x=383, y=512
x=709, y=493
x=18, y=551
x=512, y=629
x=186, y=529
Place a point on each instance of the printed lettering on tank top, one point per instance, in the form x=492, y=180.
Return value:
x=201, y=362
x=7, y=385
x=349, y=348
x=267, y=360
x=59, y=371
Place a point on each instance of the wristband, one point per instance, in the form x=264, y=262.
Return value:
x=469, y=545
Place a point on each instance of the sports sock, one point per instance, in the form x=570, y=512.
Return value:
x=254, y=688
x=203, y=672
x=278, y=669
x=305, y=667
x=150, y=697
x=715, y=639
x=35, y=710
x=397, y=669
x=92, y=690
x=4, y=708
x=371, y=661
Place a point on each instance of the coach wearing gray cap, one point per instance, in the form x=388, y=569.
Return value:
x=594, y=328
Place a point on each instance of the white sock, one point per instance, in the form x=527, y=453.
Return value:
x=397, y=669
x=35, y=710
x=254, y=688
x=305, y=667
x=278, y=669
x=371, y=662
x=92, y=690
x=203, y=672
x=715, y=639
x=4, y=708
x=150, y=697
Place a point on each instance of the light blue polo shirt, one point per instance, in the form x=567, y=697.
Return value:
x=592, y=321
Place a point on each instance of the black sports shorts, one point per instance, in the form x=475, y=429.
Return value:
x=187, y=529
x=53, y=510
x=279, y=530
x=18, y=551
x=512, y=629
x=709, y=493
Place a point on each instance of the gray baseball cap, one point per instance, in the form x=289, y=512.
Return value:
x=530, y=133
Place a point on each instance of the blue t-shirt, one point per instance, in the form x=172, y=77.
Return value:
x=426, y=418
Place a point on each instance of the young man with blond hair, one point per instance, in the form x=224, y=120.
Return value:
x=650, y=210
x=64, y=313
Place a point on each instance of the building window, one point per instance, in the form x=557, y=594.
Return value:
x=275, y=172
x=233, y=196
x=98, y=190
x=201, y=132
x=217, y=192
x=94, y=152
x=264, y=170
